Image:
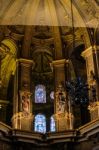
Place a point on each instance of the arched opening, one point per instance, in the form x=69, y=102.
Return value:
x=40, y=123
x=52, y=124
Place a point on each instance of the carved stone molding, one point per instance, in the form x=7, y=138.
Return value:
x=26, y=62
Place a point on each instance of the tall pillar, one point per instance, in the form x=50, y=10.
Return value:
x=8, y=52
x=22, y=117
x=91, y=56
x=62, y=115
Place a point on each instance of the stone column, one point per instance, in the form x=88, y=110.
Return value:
x=91, y=56
x=8, y=54
x=62, y=115
x=23, y=118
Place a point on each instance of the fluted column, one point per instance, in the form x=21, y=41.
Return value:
x=91, y=56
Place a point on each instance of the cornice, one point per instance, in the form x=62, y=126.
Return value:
x=26, y=62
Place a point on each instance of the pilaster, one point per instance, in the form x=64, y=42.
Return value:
x=23, y=118
x=62, y=115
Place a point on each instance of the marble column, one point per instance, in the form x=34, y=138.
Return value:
x=91, y=56
x=62, y=115
x=23, y=117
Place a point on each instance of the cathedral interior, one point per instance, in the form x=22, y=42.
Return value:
x=49, y=74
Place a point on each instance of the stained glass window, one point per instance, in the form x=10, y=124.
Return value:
x=40, y=123
x=40, y=94
x=52, y=95
x=52, y=124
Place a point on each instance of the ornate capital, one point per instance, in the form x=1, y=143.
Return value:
x=89, y=51
x=58, y=63
x=26, y=62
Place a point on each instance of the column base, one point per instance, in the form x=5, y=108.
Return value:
x=94, y=110
x=63, y=121
x=22, y=121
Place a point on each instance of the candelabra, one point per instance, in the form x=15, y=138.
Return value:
x=78, y=91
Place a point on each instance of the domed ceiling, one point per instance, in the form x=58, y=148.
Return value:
x=49, y=12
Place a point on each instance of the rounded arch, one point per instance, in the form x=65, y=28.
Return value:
x=52, y=124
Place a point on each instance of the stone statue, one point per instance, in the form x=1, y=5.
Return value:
x=25, y=102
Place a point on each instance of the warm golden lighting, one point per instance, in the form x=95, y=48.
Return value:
x=0, y=83
x=0, y=106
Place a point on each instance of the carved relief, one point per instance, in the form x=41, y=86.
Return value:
x=25, y=102
x=60, y=99
x=91, y=9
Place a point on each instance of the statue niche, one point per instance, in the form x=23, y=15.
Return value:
x=25, y=102
x=60, y=99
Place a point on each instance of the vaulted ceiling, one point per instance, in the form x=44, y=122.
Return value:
x=49, y=12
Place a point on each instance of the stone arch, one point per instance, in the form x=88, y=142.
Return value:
x=8, y=50
x=97, y=36
x=40, y=123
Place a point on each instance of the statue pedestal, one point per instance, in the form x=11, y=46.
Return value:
x=63, y=121
x=22, y=121
x=94, y=110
